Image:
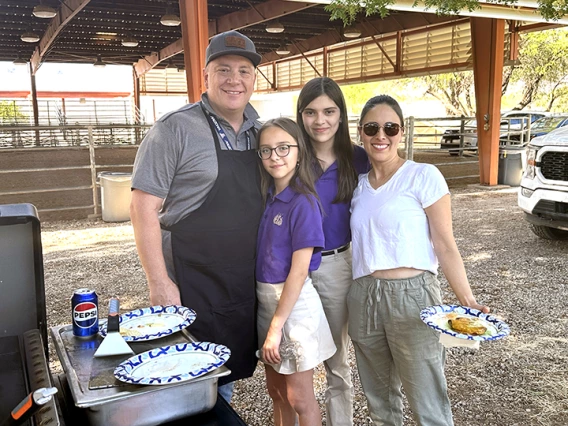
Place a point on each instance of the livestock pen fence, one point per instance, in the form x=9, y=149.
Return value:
x=422, y=143
x=59, y=176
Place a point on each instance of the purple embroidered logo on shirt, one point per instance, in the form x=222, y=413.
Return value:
x=278, y=219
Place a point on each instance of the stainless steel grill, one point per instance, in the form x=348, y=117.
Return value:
x=554, y=166
x=23, y=353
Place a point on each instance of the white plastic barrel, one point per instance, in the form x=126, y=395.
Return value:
x=115, y=196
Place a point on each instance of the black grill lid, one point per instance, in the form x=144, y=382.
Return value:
x=22, y=305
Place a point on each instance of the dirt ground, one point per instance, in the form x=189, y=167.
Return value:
x=519, y=381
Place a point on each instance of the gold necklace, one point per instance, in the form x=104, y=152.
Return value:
x=386, y=178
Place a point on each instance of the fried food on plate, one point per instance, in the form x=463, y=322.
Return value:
x=472, y=326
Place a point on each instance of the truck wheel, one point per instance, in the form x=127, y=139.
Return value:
x=549, y=233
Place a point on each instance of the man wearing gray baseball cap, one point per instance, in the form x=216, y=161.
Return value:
x=196, y=205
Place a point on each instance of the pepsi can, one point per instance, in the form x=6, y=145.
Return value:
x=85, y=311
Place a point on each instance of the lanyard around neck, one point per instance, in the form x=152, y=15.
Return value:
x=222, y=133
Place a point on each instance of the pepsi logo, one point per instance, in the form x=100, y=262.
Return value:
x=85, y=314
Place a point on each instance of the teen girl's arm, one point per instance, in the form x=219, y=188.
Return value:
x=440, y=220
x=292, y=287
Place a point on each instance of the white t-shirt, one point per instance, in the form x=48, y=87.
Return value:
x=389, y=225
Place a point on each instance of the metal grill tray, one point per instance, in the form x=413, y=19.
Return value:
x=132, y=405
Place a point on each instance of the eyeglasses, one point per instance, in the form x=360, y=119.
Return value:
x=372, y=128
x=281, y=151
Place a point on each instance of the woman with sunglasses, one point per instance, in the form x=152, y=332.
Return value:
x=402, y=227
x=322, y=116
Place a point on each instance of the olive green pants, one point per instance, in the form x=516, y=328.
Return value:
x=395, y=349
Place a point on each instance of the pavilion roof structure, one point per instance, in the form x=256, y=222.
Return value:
x=84, y=29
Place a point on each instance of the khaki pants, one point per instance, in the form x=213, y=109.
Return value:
x=394, y=347
x=332, y=280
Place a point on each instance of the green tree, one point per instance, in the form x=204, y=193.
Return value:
x=347, y=10
x=11, y=113
x=356, y=95
x=543, y=67
x=454, y=90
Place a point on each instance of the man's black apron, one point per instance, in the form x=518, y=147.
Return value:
x=214, y=250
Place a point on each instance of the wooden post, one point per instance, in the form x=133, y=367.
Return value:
x=488, y=41
x=137, y=105
x=410, y=139
x=34, y=105
x=195, y=37
x=92, y=162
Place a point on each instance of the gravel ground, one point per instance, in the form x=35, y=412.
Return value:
x=519, y=381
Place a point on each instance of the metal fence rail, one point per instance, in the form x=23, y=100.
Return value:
x=77, y=135
x=425, y=135
x=78, y=139
x=53, y=112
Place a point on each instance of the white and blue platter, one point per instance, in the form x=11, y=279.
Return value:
x=437, y=318
x=153, y=322
x=172, y=364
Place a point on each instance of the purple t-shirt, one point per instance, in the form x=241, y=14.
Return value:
x=290, y=222
x=336, y=215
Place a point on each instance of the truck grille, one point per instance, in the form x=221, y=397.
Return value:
x=554, y=166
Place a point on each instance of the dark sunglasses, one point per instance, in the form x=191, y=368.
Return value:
x=372, y=128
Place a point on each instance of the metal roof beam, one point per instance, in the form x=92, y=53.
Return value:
x=68, y=10
x=150, y=61
x=263, y=12
x=258, y=14
x=373, y=27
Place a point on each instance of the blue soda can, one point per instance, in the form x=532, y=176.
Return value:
x=85, y=311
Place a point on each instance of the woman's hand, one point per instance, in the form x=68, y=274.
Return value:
x=271, y=347
x=473, y=304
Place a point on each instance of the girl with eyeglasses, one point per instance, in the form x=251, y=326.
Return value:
x=402, y=229
x=293, y=332
x=322, y=115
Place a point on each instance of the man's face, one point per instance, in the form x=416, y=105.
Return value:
x=229, y=81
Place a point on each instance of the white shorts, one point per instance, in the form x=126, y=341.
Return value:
x=306, y=337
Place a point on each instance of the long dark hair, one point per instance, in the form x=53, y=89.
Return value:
x=342, y=144
x=303, y=180
x=382, y=100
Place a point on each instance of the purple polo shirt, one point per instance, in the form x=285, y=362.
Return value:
x=336, y=215
x=290, y=222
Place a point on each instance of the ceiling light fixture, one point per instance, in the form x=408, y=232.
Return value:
x=171, y=65
x=170, y=19
x=129, y=41
x=351, y=32
x=29, y=37
x=283, y=49
x=43, y=11
x=99, y=62
x=274, y=27
x=19, y=60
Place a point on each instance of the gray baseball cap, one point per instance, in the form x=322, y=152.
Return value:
x=231, y=43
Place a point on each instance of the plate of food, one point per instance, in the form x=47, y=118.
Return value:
x=172, y=364
x=464, y=323
x=153, y=322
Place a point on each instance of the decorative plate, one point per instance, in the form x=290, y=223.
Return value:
x=153, y=322
x=436, y=317
x=172, y=364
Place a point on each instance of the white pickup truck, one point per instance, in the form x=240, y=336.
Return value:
x=543, y=195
